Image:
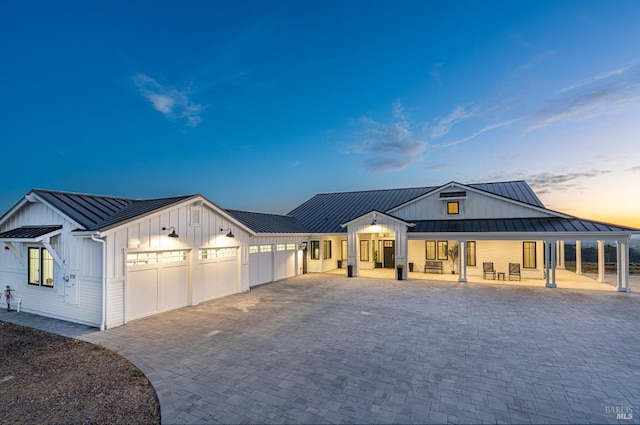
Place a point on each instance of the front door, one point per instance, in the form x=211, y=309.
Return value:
x=389, y=254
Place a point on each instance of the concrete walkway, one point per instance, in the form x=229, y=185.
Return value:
x=328, y=349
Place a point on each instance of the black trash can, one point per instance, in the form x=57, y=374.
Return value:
x=349, y=270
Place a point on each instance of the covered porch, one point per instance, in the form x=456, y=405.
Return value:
x=567, y=279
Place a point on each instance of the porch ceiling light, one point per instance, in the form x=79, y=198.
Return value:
x=229, y=234
x=173, y=233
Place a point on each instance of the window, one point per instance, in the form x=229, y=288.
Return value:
x=529, y=255
x=142, y=258
x=291, y=247
x=343, y=250
x=443, y=253
x=265, y=248
x=207, y=253
x=364, y=250
x=326, y=249
x=453, y=208
x=471, y=253
x=280, y=247
x=174, y=256
x=431, y=250
x=254, y=249
x=40, y=267
x=315, y=250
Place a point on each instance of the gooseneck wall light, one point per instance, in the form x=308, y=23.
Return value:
x=173, y=233
x=229, y=234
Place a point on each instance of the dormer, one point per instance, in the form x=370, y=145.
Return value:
x=453, y=202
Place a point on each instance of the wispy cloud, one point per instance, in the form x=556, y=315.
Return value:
x=546, y=182
x=444, y=125
x=602, y=94
x=606, y=93
x=482, y=130
x=172, y=103
x=294, y=164
x=387, y=147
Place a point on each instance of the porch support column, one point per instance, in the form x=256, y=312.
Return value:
x=601, y=261
x=462, y=261
x=578, y=257
x=402, y=248
x=551, y=271
x=352, y=249
x=622, y=254
x=561, y=254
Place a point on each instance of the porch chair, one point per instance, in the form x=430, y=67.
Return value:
x=514, y=270
x=488, y=270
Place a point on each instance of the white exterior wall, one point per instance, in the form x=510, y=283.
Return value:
x=476, y=205
x=80, y=256
x=322, y=265
x=146, y=235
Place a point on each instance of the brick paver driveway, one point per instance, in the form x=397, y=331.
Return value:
x=327, y=349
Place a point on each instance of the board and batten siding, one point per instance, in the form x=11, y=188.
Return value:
x=474, y=206
x=81, y=257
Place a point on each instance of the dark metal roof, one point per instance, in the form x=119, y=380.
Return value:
x=28, y=232
x=537, y=224
x=516, y=190
x=86, y=210
x=268, y=223
x=324, y=213
x=137, y=209
x=99, y=212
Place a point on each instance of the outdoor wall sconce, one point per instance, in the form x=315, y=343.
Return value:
x=173, y=233
x=230, y=234
x=373, y=222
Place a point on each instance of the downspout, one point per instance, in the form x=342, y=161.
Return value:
x=96, y=237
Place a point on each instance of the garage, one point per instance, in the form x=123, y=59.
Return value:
x=260, y=264
x=156, y=282
x=215, y=273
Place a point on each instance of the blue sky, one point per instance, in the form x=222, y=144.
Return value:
x=261, y=105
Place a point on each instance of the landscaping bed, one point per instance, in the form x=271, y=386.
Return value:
x=46, y=378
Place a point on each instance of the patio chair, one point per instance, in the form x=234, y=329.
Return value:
x=488, y=270
x=514, y=270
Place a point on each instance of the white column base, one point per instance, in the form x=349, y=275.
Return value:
x=551, y=285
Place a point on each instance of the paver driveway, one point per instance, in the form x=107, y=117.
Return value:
x=328, y=349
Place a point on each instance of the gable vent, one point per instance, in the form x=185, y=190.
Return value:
x=458, y=194
x=196, y=215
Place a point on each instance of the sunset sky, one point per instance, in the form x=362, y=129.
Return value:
x=259, y=105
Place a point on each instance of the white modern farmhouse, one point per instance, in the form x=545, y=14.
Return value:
x=104, y=261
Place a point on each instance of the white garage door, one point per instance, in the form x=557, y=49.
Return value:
x=215, y=274
x=285, y=260
x=260, y=264
x=156, y=282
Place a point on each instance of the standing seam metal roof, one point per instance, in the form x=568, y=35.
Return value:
x=268, y=223
x=99, y=212
x=324, y=213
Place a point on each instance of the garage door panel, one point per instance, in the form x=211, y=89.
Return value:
x=216, y=274
x=142, y=293
x=173, y=292
x=260, y=268
x=227, y=280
